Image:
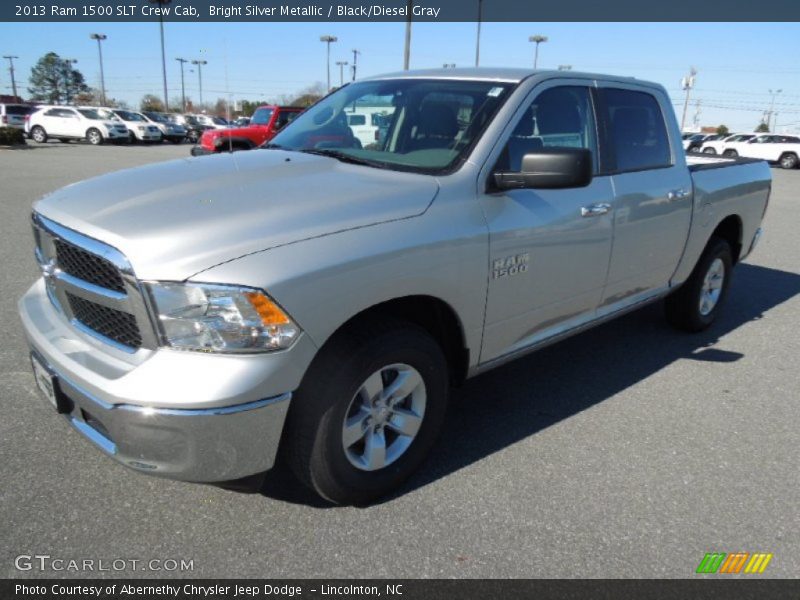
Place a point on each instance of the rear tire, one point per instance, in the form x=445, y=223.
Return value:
x=789, y=161
x=39, y=135
x=94, y=137
x=730, y=153
x=709, y=151
x=695, y=305
x=342, y=437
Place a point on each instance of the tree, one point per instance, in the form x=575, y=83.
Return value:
x=93, y=97
x=762, y=128
x=151, y=102
x=309, y=95
x=54, y=79
x=723, y=130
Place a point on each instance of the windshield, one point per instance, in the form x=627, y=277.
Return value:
x=158, y=118
x=425, y=125
x=130, y=116
x=90, y=114
x=261, y=116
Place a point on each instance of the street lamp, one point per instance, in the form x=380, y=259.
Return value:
x=100, y=37
x=407, y=53
x=161, y=4
x=328, y=40
x=772, y=108
x=341, y=64
x=537, y=39
x=200, y=64
x=478, y=38
x=67, y=62
x=183, y=86
x=10, y=60
x=355, y=61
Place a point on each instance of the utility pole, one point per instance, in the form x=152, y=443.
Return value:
x=407, y=54
x=328, y=40
x=341, y=64
x=200, y=64
x=478, y=40
x=772, y=108
x=697, y=111
x=537, y=39
x=161, y=4
x=183, y=85
x=100, y=37
x=10, y=60
x=687, y=83
x=355, y=61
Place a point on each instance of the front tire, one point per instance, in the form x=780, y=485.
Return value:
x=730, y=153
x=94, y=137
x=368, y=411
x=696, y=304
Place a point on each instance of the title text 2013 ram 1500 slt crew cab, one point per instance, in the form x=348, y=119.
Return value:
x=320, y=298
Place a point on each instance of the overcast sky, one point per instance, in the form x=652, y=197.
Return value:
x=738, y=63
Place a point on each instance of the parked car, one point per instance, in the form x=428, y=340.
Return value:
x=778, y=149
x=264, y=124
x=67, y=123
x=718, y=146
x=242, y=122
x=172, y=132
x=194, y=129
x=693, y=142
x=13, y=115
x=212, y=121
x=321, y=297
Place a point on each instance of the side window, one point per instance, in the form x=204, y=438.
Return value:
x=638, y=134
x=558, y=117
x=284, y=118
x=357, y=120
x=53, y=112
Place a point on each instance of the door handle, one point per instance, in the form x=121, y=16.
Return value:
x=678, y=194
x=595, y=210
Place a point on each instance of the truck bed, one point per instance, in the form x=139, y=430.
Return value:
x=702, y=162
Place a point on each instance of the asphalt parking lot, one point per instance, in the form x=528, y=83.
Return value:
x=627, y=451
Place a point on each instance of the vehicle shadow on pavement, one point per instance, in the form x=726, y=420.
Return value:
x=497, y=409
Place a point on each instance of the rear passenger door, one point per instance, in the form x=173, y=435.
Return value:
x=652, y=192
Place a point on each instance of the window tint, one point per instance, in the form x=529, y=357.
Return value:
x=638, y=133
x=284, y=118
x=356, y=120
x=558, y=117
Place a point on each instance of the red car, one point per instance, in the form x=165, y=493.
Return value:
x=265, y=123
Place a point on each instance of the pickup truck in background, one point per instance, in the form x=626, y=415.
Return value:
x=264, y=124
x=315, y=300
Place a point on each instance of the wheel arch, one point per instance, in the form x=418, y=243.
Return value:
x=731, y=230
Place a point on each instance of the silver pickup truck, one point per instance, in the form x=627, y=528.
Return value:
x=314, y=301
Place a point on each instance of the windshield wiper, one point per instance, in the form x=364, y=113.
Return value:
x=342, y=156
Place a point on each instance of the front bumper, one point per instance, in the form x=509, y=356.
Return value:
x=182, y=415
x=200, y=151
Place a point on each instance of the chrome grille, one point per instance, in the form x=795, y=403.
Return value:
x=113, y=324
x=93, y=285
x=87, y=266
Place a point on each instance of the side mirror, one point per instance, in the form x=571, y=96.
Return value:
x=549, y=168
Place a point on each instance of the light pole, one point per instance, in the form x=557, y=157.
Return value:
x=200, y=64
x=478, y=39
x=687, y=83
x=183, y=85
x=67, y=62
x=161, y=4
x=10, y=60
x=100, y=37
x=407, y=53
x=772, y=108
x=537, y=39
x=341, y=64
x=328, y=40
x=355, y=61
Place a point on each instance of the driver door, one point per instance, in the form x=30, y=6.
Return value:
x=549, y=248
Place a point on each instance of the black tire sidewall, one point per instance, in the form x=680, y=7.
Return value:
x=331, y=473
x=717, y=248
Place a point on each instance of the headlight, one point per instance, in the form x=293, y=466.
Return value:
x=141, y=127
x=220, y=318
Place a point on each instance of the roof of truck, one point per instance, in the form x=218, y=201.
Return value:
x=500, y=74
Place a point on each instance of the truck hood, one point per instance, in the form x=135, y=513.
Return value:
x=175, y=219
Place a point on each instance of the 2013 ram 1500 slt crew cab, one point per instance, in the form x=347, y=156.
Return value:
x=322, y=297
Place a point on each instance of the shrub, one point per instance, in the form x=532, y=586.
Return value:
x=11, y=136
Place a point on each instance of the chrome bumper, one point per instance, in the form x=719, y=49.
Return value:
x=204, y=445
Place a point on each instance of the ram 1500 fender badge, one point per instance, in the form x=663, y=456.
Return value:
x=510, y=265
